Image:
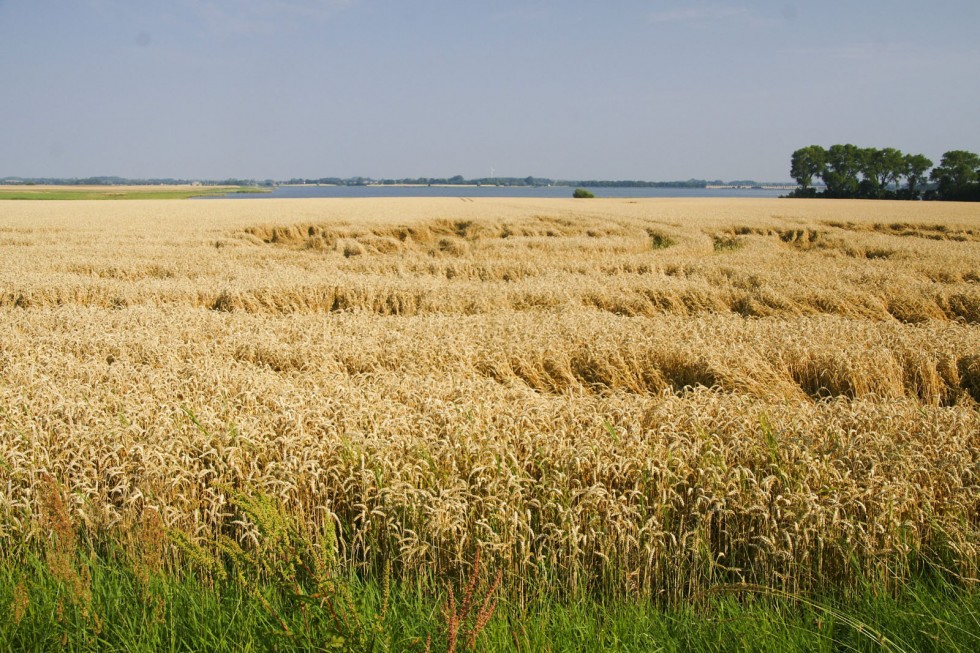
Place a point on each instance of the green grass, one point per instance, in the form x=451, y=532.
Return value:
x=122, y=609
x=111, y=193
x=148, y=588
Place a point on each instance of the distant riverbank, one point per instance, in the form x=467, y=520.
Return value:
x=130, y=192
x=307, y=191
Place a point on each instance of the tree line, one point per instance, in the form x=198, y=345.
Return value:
x=849, y=171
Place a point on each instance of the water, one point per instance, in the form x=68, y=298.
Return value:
x=282, y=192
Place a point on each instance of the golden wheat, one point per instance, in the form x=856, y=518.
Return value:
x=641, y=395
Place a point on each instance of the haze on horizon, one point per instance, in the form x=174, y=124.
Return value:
x=573, y=89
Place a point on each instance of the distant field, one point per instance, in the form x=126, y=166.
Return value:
x=24, y=192
x=632, y=398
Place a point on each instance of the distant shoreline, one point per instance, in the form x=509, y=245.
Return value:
x=753, y=187
x=288, y=191
x=458, y=181
x=41, y=192
x=403, y=186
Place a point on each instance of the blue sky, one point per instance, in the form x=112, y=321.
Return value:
x=567, y=89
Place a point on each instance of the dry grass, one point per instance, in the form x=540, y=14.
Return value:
x=595, y=397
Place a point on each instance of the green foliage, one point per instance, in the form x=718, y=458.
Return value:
x=882, y=167
x=849, y=171
x=267, y=582
x=958, y=176
x=807, y=163
x=916, y=166
x=582, y=193
x=182, y=613
x=843, y=165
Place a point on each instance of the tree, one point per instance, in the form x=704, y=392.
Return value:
x=957, y=175
x=840, y=173
x=582, y=193
x=805, y=164
x=881, y=168
x=915, y=169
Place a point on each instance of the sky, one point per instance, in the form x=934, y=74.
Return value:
x=573, y=89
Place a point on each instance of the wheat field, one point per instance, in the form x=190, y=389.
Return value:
x=643, y=397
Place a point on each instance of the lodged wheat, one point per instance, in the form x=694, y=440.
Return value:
x=639, y=396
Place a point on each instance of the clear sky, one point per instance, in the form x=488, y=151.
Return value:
x=621, y=89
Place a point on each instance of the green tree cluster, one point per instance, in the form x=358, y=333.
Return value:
x=849, y=171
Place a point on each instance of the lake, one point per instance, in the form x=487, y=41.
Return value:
x=305, y=192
